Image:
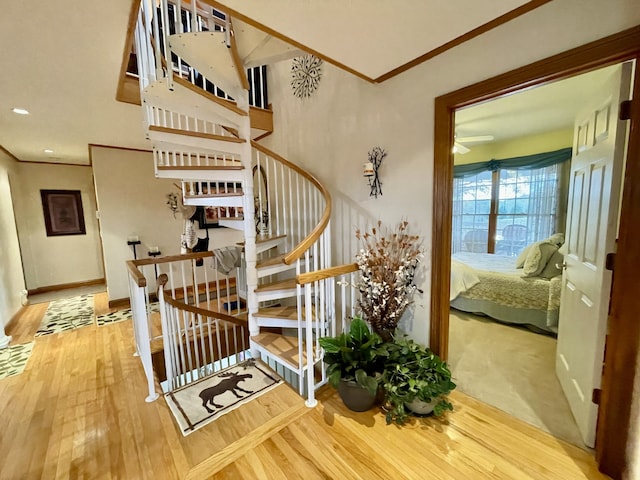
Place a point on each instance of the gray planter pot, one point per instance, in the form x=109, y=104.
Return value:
x=355, y=397
x=421, y=408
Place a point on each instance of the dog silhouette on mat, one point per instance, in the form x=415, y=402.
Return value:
x=229, y=384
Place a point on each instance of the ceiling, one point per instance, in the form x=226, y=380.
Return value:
x=63, y=63
x=537, y=110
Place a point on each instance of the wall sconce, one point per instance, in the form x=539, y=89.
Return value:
x=370, y=171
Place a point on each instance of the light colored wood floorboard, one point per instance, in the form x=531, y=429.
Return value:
x=78, y=411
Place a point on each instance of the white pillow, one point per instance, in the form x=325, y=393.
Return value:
x=537, y=258
x=551, y=270
x=523, y=255
x=556, y=239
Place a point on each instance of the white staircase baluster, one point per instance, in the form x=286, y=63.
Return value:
x=165, y=43
x=311, y=400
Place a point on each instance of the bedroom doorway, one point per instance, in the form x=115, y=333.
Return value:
x=510, y=190
x=614, y=424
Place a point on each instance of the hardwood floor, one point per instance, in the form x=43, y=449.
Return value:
x=78, y=411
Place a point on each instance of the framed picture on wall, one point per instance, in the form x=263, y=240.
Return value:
x=63, y=214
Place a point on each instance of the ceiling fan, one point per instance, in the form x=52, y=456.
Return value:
x=458, y=142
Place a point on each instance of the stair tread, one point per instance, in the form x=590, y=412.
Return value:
x=200, y=167
x=190, y=133
x=268, y=262
x=264, y=238
x=289, y=312
x=278, y=285
x=282, y=346
x=228, y=104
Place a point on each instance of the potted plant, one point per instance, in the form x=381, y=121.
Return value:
x=415, y=379
x=355, y=362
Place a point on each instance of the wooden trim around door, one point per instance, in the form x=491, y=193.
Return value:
x=622, y=343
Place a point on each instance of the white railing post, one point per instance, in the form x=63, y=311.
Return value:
x=311, y=400
x=142, y=336
x=167, y=340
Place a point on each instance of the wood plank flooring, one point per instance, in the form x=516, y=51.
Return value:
x=78, y=411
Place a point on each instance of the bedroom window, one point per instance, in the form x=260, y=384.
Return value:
x=527, y=207
x=471, y=210
x=504, y=210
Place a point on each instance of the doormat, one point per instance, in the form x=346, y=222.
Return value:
x=202, y=402
x=67, y=314
x=122, y=315
x=13, y=359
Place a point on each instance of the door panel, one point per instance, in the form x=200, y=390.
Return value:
x=596, y=171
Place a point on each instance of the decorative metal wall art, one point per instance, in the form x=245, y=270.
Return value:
x=371, y=171
x=306, y=72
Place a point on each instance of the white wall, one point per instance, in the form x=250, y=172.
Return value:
x=11, y=274
x=63, y=259
x=331, y=132
x=131, y=201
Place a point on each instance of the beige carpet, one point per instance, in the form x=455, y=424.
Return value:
x=512, y=369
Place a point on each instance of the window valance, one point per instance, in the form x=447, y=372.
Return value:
x=538, y=160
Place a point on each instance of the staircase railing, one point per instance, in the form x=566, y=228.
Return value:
x=197, y=17
x=197, y=342
x=292, y=202
x=195, y=281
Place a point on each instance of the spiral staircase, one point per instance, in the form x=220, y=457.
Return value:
x=201, y=121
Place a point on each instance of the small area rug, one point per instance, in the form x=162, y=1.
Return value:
x=122, y=315
x=67, y=314
x=14, y=359
x=202, y=402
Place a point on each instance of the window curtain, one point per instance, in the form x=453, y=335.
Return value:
x=543, y=203
x=546, y=209
x=456, y=220
x=538, y=160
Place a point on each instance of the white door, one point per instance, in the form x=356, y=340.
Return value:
x=596, y=173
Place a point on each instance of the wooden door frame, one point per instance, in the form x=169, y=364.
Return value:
x=624, y=329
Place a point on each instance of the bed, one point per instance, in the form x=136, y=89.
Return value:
x=491, y=285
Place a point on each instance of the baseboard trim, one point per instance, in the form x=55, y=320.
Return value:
x=15, y=316
x=65, y=286
x=124, y=302
x=119, y=302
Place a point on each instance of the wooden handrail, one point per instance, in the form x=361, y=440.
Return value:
x=141, y=281
x=202, y=311
x=325, y=273
x=310, y=239
x=242, y=74
x=163, y=279
x=136, y=274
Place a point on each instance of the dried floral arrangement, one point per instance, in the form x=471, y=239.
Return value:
x=387, y=261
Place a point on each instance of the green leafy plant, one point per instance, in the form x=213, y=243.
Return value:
x=414, y=372
x=358, y=355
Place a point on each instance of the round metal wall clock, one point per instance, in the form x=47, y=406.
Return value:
x=306, y=72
